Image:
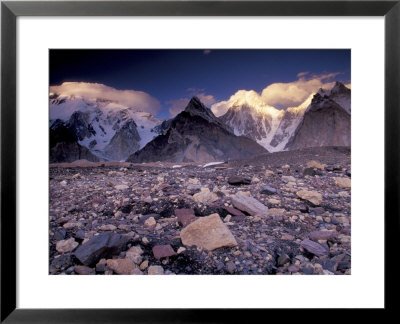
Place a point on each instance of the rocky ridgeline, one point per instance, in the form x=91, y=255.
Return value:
x=265, y=217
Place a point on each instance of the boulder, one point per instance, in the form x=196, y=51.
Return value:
x=208, y=232
x=66, y=246
x=100, y=246
x=312, y=196
x=267, y=190
x=314, y=248
x=163, y=251
x=123, y=266
x=249, y=204
x=316, y=165
x=155, y=270
x=237, y=181
x=205, y=196
x=185, y=216
x=343, y=182
x=287, y=179
x=234, y=211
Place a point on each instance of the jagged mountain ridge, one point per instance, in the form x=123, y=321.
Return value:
x=106, y=128
x=326, y=122
x=275, y=128
x=196, y=135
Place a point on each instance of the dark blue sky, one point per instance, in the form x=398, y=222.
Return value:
x=167, y=74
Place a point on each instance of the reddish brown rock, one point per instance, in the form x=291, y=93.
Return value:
x=185, y=216
x=83, y=270
x=234, y=211
x=163, y=251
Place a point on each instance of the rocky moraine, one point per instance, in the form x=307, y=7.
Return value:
x=281, y=213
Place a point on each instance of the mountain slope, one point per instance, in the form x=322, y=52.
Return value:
x=270, y=127
x=325, y=123
x=106, y=128
x=196, y=135
x=64, y=146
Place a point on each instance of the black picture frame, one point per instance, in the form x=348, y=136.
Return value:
x=10, y=10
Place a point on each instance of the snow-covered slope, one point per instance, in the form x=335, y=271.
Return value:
x=248, y=115
x=107, y=128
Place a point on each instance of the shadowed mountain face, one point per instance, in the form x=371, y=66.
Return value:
x=64, y=146
x=196, y=135
x=325, y=123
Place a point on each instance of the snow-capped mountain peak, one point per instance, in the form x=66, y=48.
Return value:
x=109, y=129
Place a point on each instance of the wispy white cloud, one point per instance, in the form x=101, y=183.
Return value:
x=293, y=93
x=139, y=100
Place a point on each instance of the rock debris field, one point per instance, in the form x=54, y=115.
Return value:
x=284, y=213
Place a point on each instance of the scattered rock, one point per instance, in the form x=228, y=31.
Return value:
x=123, y=266
x=311, y=172
x=62, y=262
x=316, y=165
x=249, y=205
x=144, y=265
x=267, y=190
x=134, y=254
x=312, y=196
x=100, y=246
x=314, y=247
x=343, y=182
x=150, y=222
x=276, y=211
x=155, y=270
x=66, y=246
x=234, y=211
x=121, y=187
x=108, y=227
x=237, y=181
x=283, y=259
x=185, y=216
x=208, y=232
x=230, y=267
x=287, y=179
x=205, y=196
x=60, y=234
x=84, y=270
x=322, y=235
x=163, y=251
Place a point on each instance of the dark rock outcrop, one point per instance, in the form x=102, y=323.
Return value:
x=325, y=123
x=196, y=135
x=101, y=246
x=64, y=146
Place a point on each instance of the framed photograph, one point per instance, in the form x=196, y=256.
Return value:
x=179, y=155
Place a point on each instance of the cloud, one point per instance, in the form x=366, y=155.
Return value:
x=302, y=74
x=206, y=52
x=294, y=93
x=279, y=95
x=180, y=104
x=139, y=100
